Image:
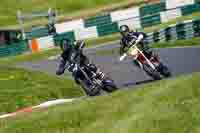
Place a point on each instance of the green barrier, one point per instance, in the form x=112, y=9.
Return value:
x=162, y=36
x=168, y=35
x=68, y=35
x=14, y=49
x=107, y=29
x=196, y=27
x=197, y=1
x=180, y=31
x=189, y=9
x=149, y=38
x=156, y=37
x=4, y=52
x=162, y=1
x=152, y=9
x=18, y=48
x=189, y=31
x=150, y=20
x=38, y=32
x=98, y=20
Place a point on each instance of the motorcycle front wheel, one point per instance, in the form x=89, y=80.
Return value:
x=152, y=72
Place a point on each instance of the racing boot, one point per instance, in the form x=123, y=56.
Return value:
x=61, y=67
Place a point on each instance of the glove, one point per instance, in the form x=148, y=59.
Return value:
x=139, y=38
x=75, y=68
x=70, y=67
x=137, y=41
x=123, y=57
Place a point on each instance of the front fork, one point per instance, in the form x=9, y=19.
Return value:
x=148, y=61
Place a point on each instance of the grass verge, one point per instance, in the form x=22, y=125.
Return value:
x=174, y=21
x=29, y=57
x=160, y=107
x=178, y=43
x=21, y=88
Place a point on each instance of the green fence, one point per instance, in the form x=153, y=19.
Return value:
x=152, y=9
x=14, y=49
x=197, y=1
x=97, y=21
x=196, y=27
x=58, y=38
x=107, y=29
x=179, y=31
x=37, y=32
x=149, y=16
x=168, y=36
x=189, y=9
x=150, y=20
x=156, y=37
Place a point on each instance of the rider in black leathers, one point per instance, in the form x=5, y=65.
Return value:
x=65, y=56
x=128, y=36
x=73, y=55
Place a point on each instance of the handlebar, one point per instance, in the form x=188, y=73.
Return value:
x=132, y=44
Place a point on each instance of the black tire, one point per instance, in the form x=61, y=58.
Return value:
x=164, y=70
x=152, y=73
x=109, y=85
x=90, y=92
x=110, y=88
x=77, y=81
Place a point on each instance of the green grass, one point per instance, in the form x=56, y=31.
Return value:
x=168, y=106
x=22, y=88
x=8, y=8
x=174, y=21
x=178, y=43
x=31, y=57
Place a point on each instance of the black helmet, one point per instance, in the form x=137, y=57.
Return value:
x=124, y=30
x=92, y=67
x=65, y=44
x=79, y=45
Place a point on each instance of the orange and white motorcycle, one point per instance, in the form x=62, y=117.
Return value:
x=153, y=66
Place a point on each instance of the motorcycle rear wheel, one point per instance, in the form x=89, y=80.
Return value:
x=164, y=70
x=110, y=88
x=90, y=91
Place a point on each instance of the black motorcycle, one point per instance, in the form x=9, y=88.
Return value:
x=92, y=81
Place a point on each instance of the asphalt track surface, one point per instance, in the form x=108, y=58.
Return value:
x=179, y=60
